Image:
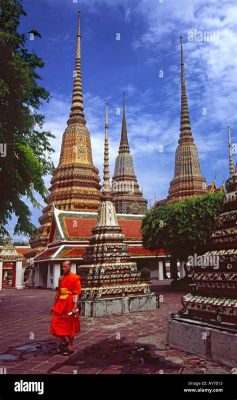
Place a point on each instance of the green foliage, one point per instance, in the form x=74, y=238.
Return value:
x=184, y=227
x=21, y=123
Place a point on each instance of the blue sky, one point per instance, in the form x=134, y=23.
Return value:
x=148, y=48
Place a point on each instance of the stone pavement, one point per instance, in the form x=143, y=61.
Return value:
x=128, y=344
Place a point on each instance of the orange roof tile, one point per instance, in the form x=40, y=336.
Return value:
x=23, y=250
x=140, y=251
x=78, y=227
x=81, y=228
x=46, y=254
x=69, y=252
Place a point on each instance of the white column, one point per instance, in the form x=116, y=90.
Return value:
x=19, y=283
x=56, y=275
x=178, y=269
x=49, y=285
x=37, y=275
x=74, y=268
x=182, y=270
x=160, y=271
x=0, y=275
x=22, y=277
x=168, y=269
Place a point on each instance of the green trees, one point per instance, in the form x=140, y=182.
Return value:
x=184, y=227
x=27, y=145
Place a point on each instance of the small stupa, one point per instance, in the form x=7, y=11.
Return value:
x=111, y=283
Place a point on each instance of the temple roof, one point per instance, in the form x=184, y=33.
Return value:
x=213, y=188
x=70, y=225
x=8, y=252
x=70, y=232
x=75, y=252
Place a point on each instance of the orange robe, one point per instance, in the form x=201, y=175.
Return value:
x=61, y=324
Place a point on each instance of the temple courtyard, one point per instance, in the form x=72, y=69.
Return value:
x=127, y=344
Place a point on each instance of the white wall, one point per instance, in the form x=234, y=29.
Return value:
x=160, y=271
x=50, y=277
x=19, y=283
x=74, y=268
x=56, y=275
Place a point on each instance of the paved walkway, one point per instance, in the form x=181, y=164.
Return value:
x=134, y=343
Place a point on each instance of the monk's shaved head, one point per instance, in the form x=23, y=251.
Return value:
x=66, y=267
x=67, y=262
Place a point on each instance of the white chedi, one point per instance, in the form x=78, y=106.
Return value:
x=107, y=214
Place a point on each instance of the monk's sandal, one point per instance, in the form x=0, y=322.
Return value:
x=61, y=348
x=68, y=352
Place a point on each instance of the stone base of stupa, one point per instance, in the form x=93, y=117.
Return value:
x=118, y=305
x=210, y=342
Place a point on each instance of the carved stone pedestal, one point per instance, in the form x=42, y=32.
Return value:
x=118, y=305
x=204, y=340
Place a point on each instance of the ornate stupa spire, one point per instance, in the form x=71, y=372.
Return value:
x=187, y=180
x=231, y=182
x=231, y=163
x=77, y=108
x=106, y=212
x=106, y=177
x=127, y=197
x=75, y=183
x=185, y=125
x=124, y=146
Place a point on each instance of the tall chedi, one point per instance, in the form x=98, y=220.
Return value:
x=75, y=183
x=207, y=323
x=111, y=283
x=127, y=197
x=187, y=180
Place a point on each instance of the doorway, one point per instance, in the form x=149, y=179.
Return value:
x=8, y=274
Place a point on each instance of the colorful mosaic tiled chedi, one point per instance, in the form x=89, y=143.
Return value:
x=108, y=270
x=75, y=183
x=187, y=180
x=214, y=296
x=127, y=197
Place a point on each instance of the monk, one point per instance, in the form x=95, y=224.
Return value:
x=65, y=322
